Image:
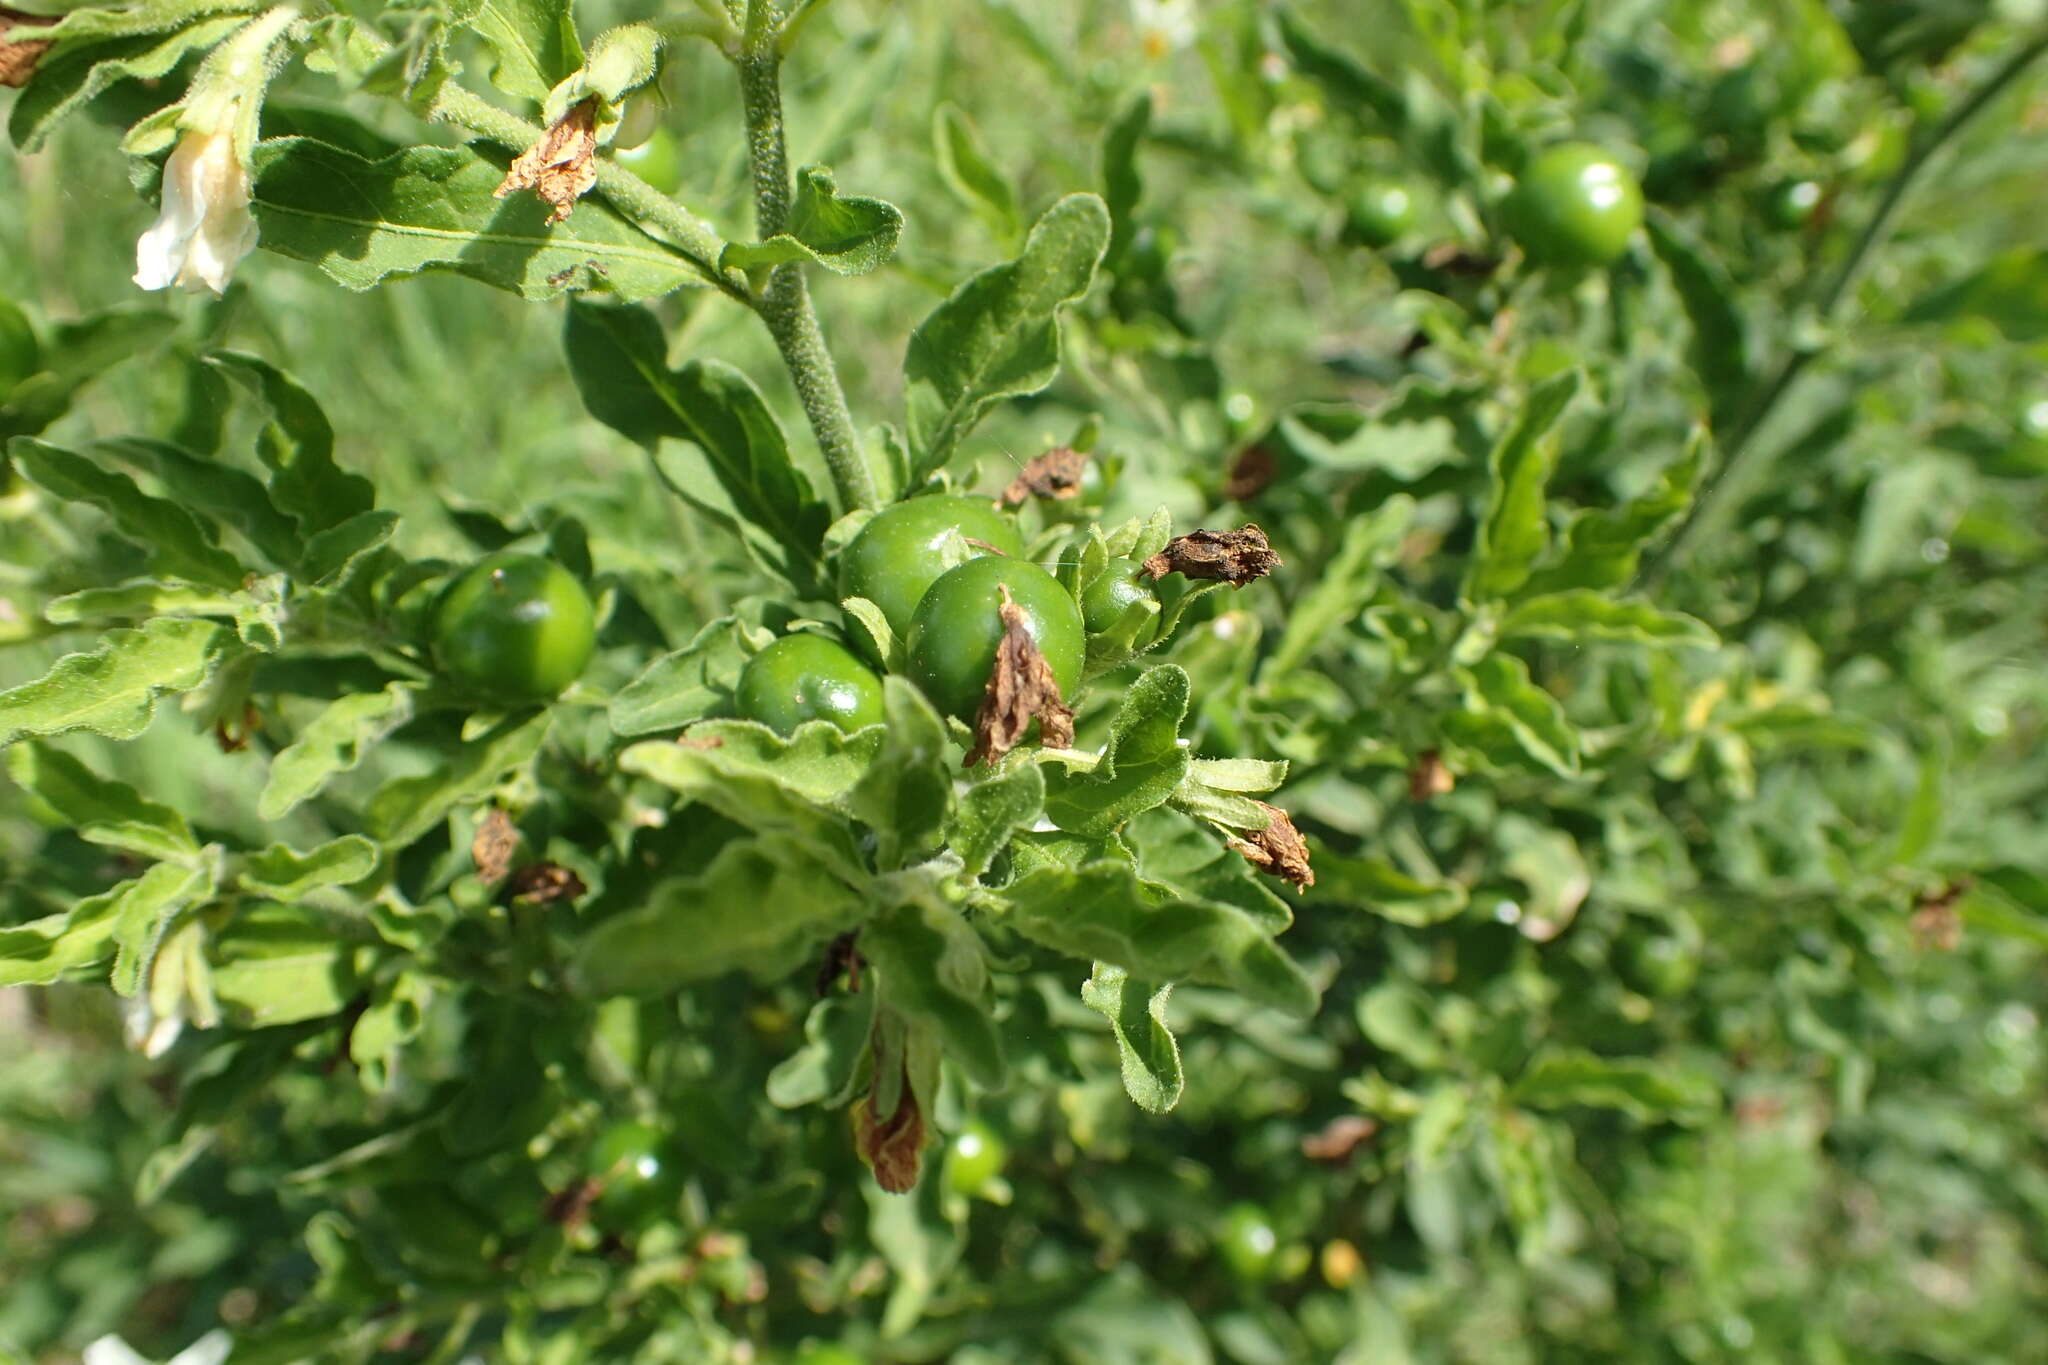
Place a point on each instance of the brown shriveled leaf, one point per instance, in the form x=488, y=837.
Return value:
x=544, y=884
x=570, y=1208
x=1278, y=848
x=842, y=958
x=892, y=1147
x=1055, y=474
x=18, y=56
x=1936, y=924
x=1251, y=473
x=1339, y=1138
x=1235, y=557
x=1021, y=689
x=562, y=166
x=1429, y=778
x=497, y=838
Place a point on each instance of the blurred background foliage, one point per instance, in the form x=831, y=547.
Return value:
x=1703, y=1026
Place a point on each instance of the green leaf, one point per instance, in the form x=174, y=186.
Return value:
x=111, y=814
x=179, y=545
x=365, y=222
x=1499, y=688
x=1102, y=911
x=297, y=446
x=1719, y=352
x=1583, y=614
x=145, y=916
x=971, y=174
x=1346, y=437
x=907, y=791
x=1603, y=548
x=1514, y=532
x=819, y=762
x=113, y=690
x=277, y=964
x=237, y=500
x=2010, y=292
x=688, y=685
x=330, y=555
x=847, y=236
x=282, y=873
x=407, y=807
x=826, y=1069
x=932, y=968
x=535, y=43
x=763, y=905
x=736, y=465
x=1560, y=1078
x=1122, y=185
x=74, y=353
x=48, y=950
x=1141, y=765
x=1376, y=885
x=80, y=70
x=988, y=813
x=1137, y=1015
x=1395, y=1018
x=1376, y=101
x=331, y=744
x=998, y=335
x=1343, y=586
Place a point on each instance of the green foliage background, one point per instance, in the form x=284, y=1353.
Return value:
x=1700, y=1021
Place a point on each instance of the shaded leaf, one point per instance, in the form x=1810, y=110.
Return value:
x=331, y=744
x=1141, y=764
x=113, y=690
x=1145, y=1046
x=849, y=236
x=1514, y=532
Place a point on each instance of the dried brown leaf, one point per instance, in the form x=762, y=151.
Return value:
x=562, y=166
x=497, y=838
x=1278, y=848
x=1936, y=924
x=1251, y=473
x=1236, y=557
x=892, y=1147
x=1339, y=1138
x=18, y=56
x=570, y=1208
x=544, y=884
x=1055, y=474
x=1021, y=689
x=1429, y=777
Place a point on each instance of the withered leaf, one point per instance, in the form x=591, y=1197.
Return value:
x=544, y=884
x=562, y=166
x=1278, y=848
x=1339, y=1138
x=1936, y=924
x=18, y=56
x=570, y=1208
x=842, y=958
x=1020, y=689
x=1251, y=473
x=1429, y=777
x=1055, y=474
x=892, y=1147
x=1236, y=557
x=497, y=838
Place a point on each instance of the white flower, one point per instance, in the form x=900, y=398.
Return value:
x=1164, y=25
x=210, y=1349
x=205, y=228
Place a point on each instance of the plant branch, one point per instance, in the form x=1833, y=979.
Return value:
x=1720, y=497
x=785, y=304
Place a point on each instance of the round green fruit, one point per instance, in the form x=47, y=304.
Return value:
x=1250, y=1246
x=637, y=1181
x=807, y=677
x=1121, y=586
x=904, y=548
x=1575, y=205
x=1382, y=212
x=516, y=627
x=954, y=634
x=1792, y=204
x=974, y=1157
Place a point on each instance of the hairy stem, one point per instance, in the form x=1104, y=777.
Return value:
x=1720, y=497
x=785, y=304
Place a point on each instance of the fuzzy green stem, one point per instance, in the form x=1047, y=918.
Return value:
x=785, y=304
x=1721, y=497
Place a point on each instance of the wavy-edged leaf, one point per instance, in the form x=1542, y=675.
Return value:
x=998, y=335
x=826, y=1069
x=1374, y=884
x=330, y=555
x=1514, y=532
x=685, y=686
x=1149, y=1056
x=407, y=807
x=283, y=873
x=907, y=792
x=1141, y=764
x=847, y=236
x=179, y=544
x=818, y=761
x=297, y=446
x=971, y=173
x=113, y=690
x=1563, y=1077
x=50, y=949
x=988, y=813
x=1720, y=352
x=733, y=461
x=933, y=969
x=364, y=222
x=331, y=744
x=103, y=811
x=534, y=41
x=1374, y=99
x=1343, y=586
x=84, y=66
x=1583, y=614
x=1603, y=548
x=236, y=499
x=1499, y=688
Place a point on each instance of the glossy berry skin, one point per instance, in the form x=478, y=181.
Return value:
x=974, y=1157
x=639, y=1181
x=1248, y=1242
x=1575, y=205
x=1792, y=204
x=953, y=637
x=904, y=548
x=1122, y=585
x=807, y=677
x=1382, y=212
x=516, y=628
